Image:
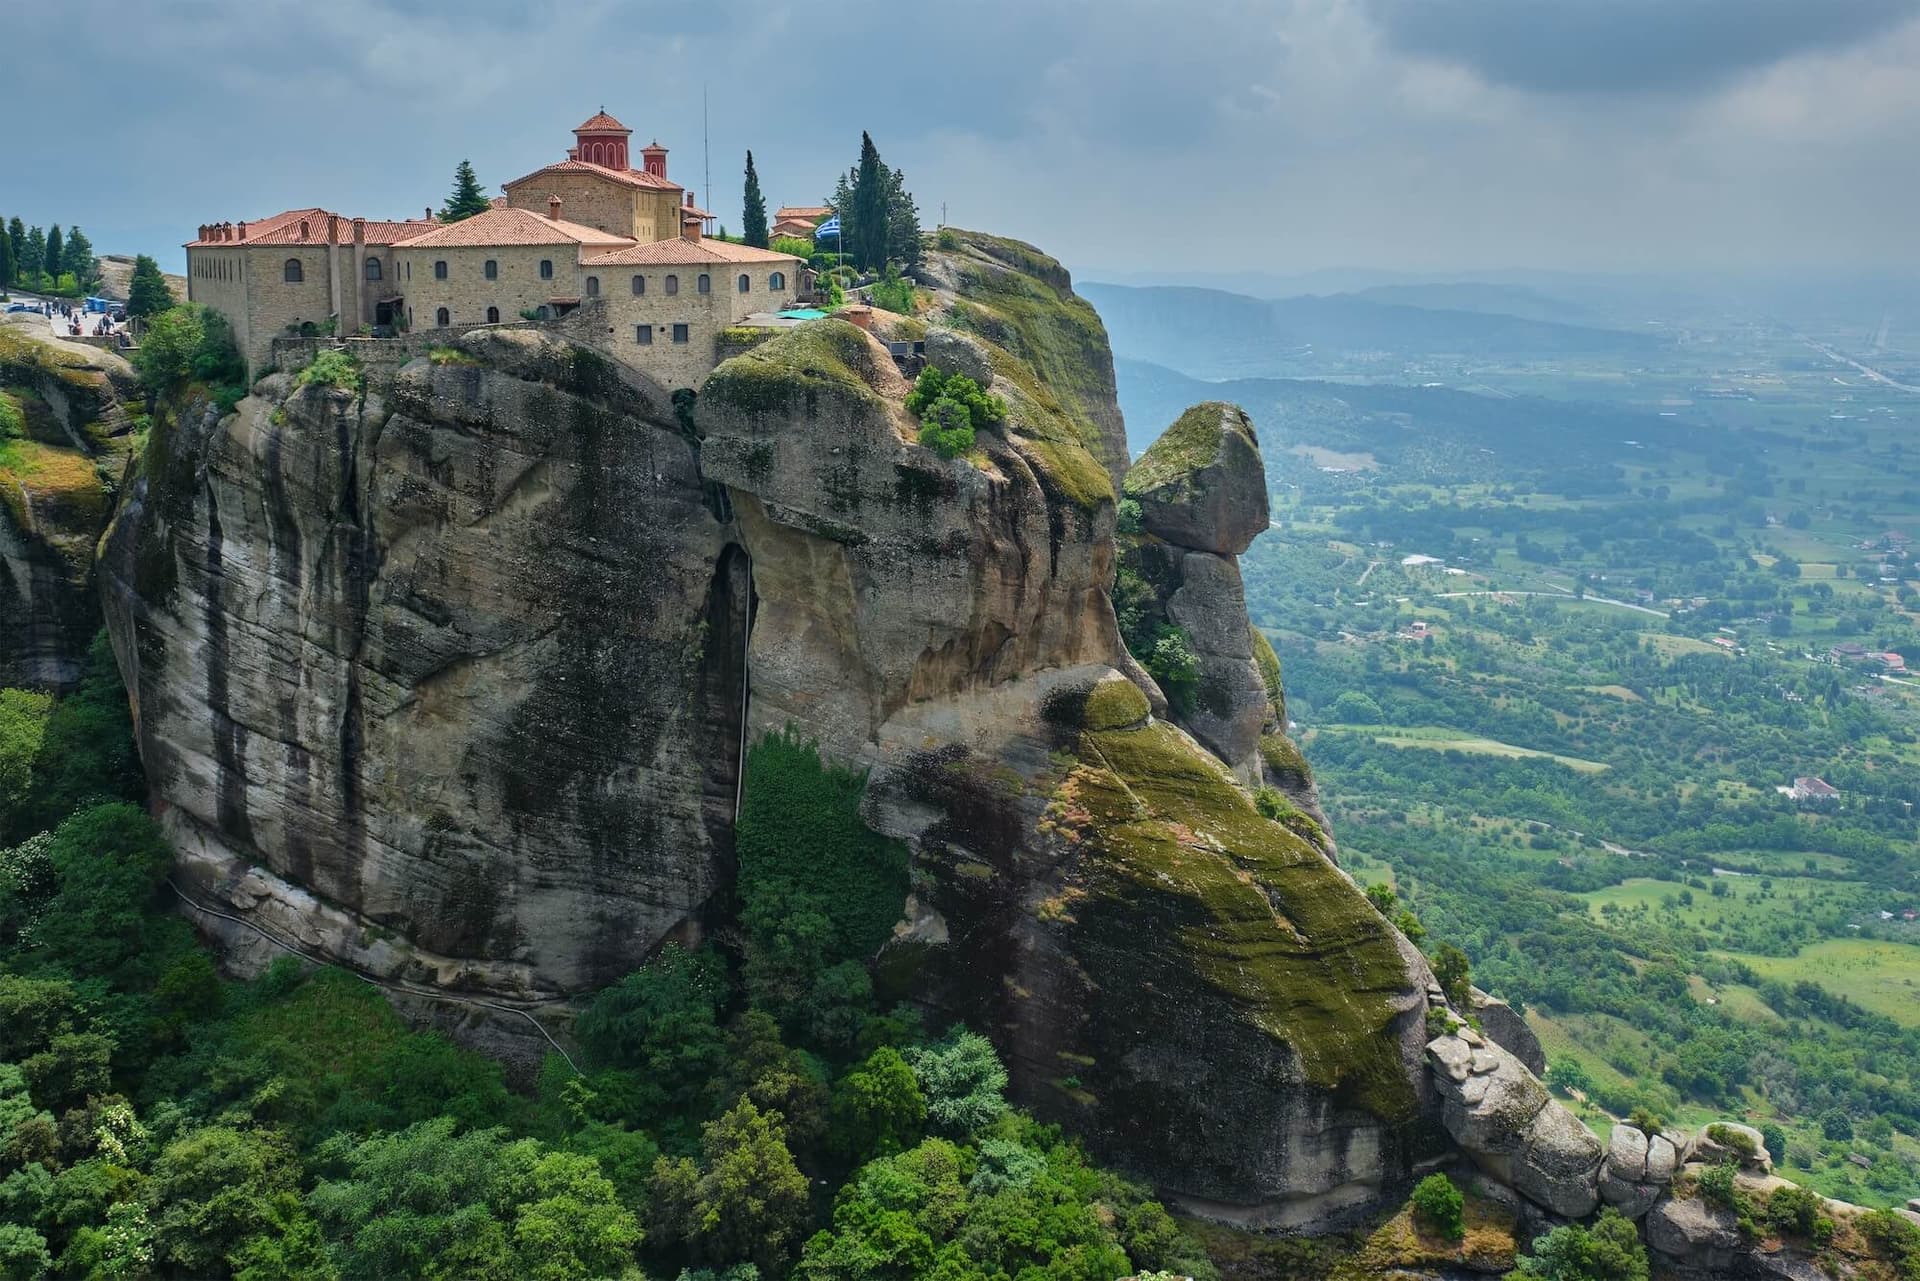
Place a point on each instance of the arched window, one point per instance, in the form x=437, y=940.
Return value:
x=443, y=318
x=291, y=272
x=705, y=283
x=743, y=284
x=490, y=269
x=639, y=285
x=593, y=286
x=493, y=315
x=373, y=269
x=440, y=269
x=777, y=281
x=546, y=269
x=673, y=284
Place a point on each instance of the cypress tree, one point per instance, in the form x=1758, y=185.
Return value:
x=80, y=260
x=467, y=198
x=869, y=230
x=55, y=257
x=33, y=256
x=753, y=222
x=148, y=295
x=8, y=267
x=17, y=233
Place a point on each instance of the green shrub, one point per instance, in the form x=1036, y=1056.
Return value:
x=1800, y=1212
x=951, y=409
x=893, y=293
x=1646, y=1120
x=1439, y=1207
x=799, y=248
x=1174, y=666
x=1128, y=516
x=1608, y=1251
x=331, y=368
x=1441, y=1022
x=1728, y=1137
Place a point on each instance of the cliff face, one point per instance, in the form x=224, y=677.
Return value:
x=62, y=438
x=448, y=679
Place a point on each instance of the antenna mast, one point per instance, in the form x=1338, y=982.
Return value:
x=706, y=149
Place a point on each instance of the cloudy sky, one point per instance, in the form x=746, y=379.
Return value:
x=1126, y=136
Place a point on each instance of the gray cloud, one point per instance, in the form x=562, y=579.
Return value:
x=1125, y=135
x=1628, y=46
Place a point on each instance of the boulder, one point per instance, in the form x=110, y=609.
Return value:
x=1624, y=1180
x=952, y=352
x=1731, y=1141
x=1559, y=1167
x=1508, y=1029
x=1694, y=1234
x=1202, y=485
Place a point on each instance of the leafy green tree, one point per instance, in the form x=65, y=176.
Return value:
x=33, y=257
x=1775, y=1139
x=963, y=1081
x=212, y=1189
x=23, y=724
x=78, y=260
x=1453, y=972
x=109, y=862
x=660, y=1026
x=751, y=1200
x=1608, y=1251
x=9, y=265
x=878, y=1108
x=903, y=222
x=1439, y=1207
x=1836, y=1125
x=23, y=1253
x=54, y=258
x=148, y=294
x=467, y=199
x=569, y=1224
x=753, y=220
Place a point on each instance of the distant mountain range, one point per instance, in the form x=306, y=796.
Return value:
x=1214, y=334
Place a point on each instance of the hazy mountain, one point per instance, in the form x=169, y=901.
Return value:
x=1216, y=334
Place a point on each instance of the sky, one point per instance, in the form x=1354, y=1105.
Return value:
x=1126, y=137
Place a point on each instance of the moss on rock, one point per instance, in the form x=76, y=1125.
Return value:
x=1283, y=757
x=1268, y=662
x=1193, y=442
x=1256, y=912
x=1114, y=704
x=822, y=356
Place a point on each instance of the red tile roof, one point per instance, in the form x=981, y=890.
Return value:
x=513, y=227
x=629, y=177
x=803, y=213
x=284, y=229
x=680, y=250
x=601, y=122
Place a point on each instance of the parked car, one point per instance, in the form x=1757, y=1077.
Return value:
x=21, y=306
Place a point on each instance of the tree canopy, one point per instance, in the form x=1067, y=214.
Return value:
x=467, y=198
x=753, y=218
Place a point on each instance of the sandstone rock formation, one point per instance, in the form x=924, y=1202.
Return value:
x=1503, y=1118
x=63, y=428
x=1504, y=1026
x=447, y=679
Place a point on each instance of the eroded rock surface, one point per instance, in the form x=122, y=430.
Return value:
x=1503, y=1118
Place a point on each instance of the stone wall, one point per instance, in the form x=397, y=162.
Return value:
x=589, y=199
x=467, y=293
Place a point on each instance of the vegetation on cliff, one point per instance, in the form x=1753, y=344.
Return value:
x=157, y=1120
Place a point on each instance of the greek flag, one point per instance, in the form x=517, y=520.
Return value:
x=831, y=227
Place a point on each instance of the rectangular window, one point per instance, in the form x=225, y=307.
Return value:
x=643, y=334
x=679, y=333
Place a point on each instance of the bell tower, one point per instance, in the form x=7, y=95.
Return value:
x=602, y=141
x=654, y=159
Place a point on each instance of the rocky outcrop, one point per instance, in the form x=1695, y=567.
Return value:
x=1638, y=1169
x=1201, y=485
x=447, y=678
x=1502, y=1117
x=63, y=434
x=1505, y=1027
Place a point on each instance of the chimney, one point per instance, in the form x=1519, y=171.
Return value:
x=553, y=208
x=242, y=232
x=303, y=229
x=860, y=314
x=359, y=231
x=690, y=227
x=333, y=229
x=203, y=231
x=429, y=217
x=689, y=197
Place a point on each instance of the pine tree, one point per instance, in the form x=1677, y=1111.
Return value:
x=869, y=230
x=80, y=260
x=8, y=267
x=55, y=256
x=753, y=221
x=467, y=198
x=17, y=233
x=148, y=295
x=33, y=255
x=903, y=221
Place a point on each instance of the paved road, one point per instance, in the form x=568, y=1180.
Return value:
x=1598, y=600
x=1869, y=371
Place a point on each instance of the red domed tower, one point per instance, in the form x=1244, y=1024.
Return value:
x=602, y=141
x=653, y=159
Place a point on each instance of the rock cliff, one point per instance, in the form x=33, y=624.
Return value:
x=63, y=438
x=447, y=678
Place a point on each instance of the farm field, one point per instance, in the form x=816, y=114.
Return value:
x=1882, y=977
